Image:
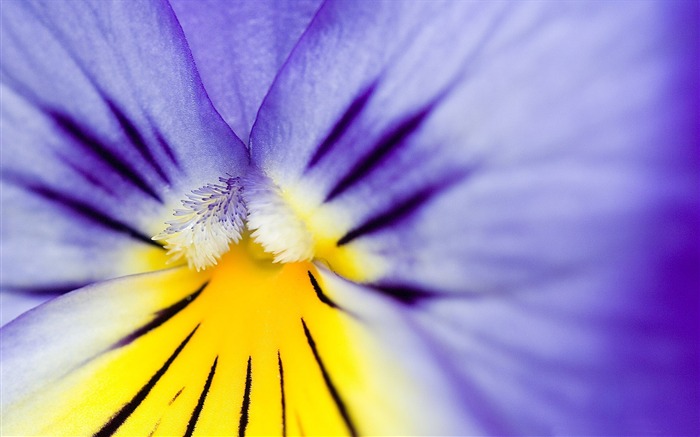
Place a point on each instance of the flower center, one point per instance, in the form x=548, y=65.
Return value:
x=211, y=219
x=274, y=225
x=214, y=216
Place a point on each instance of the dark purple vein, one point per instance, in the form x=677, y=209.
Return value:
x=167, y=149
x=78, y=207
x=339, y=129
x=387, y=218
x=408, y=295
x=134, y=135
x=92, y=145
x=388, y=143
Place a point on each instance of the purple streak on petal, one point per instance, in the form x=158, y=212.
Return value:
x=89, y=144
x=76, y=206
x=346, y=120
x=380, y=152
x=169, y=152
x=136, y=139
x=408, y=295
x=401, y=210
x=386, y=219
x=109, y=153
x=129, y=129
x=47, y=290
x=95, y=147
x=89, y=176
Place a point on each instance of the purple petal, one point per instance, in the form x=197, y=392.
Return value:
x=239, y=47
x=571, y=357
x=105, y=126
x=12, y=305
x=499, y=152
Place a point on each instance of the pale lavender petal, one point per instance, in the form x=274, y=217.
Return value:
x=239, y=46
x=105, y=127
x=12, y=305
x=490, y=154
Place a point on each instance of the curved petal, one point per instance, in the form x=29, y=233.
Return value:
x=248, y=347
x=105, y=127
x=566, y=358
x=407, y=384
x=239, y=47
x=496, y=149
x=74, y=336
x=542, y=153
x=12, y=305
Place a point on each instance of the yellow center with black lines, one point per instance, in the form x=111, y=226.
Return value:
x=243, y=348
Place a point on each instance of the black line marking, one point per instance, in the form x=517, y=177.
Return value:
x=284, y=403
x=342, y=409
x=342, y=125
x=388, y=218
x=380, y=151
x=200, y=403
x=96, y=148
x=243, y=422
x=177, y=395
x=134, y=135
x=78, y=207
x=120, y=417
x=319, y=292
x=408, y=295
x=161, y=317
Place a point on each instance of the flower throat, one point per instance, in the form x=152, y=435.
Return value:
x=215, y=216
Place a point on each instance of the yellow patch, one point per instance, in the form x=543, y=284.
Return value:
x=327, y=227
x=265, y=355
x=147, y=258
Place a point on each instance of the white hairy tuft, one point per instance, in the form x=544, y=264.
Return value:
x=212, y=218
x=273, y=223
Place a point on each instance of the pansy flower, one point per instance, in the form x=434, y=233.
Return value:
x=349, y=218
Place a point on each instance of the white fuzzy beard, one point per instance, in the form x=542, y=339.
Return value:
x=212, y=218
x=274, y=225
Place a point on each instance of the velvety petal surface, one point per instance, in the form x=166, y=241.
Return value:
x=248, y=347
x=105, y=127
x=239, y=46
x=534, y=165
x=15, y=304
